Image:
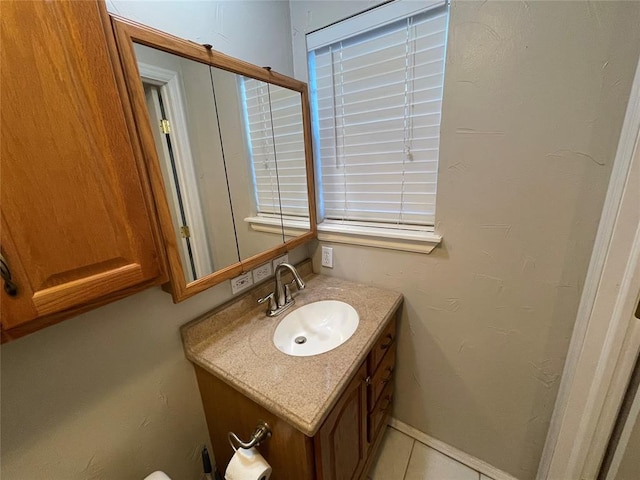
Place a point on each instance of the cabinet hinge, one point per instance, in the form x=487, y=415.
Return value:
x=164, y=126
x=184, y=231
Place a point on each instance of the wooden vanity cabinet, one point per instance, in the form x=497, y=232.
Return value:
x=345, y=445
x=77, y=226
x=341, y=443
x=381, y=368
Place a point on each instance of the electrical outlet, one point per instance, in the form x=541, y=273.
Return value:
x=241, y=282
x=283, y=259
x=262, y=272
x=327, y=257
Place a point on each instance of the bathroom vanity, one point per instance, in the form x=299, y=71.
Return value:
x=326, y=412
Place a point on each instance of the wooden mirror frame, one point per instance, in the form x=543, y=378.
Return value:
x=127, y=33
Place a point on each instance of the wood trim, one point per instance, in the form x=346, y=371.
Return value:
x=299, y=240
x=60, y=297
x=202, y=284
x=308, y=148
x=185, y=48
x=127, y=32
x=597, y=340
x=263, y=257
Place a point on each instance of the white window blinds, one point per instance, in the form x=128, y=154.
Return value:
x=378, y=101
x=276, y=142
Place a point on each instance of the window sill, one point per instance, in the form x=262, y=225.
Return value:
x=292, y=228
x=419, y=241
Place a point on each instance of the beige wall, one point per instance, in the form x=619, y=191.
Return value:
x=109, y=395
x=534, y=98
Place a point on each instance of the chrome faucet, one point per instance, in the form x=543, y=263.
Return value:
x=281, y=299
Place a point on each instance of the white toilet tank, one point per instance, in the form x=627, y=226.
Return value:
x=157, y=476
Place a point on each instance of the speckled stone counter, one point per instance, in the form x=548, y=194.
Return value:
x=234, y=343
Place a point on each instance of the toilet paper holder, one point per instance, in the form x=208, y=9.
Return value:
x=259, y=435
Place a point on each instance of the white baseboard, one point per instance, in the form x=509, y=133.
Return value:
x=446, y=449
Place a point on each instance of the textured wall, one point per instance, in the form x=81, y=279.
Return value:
x=535, y=94
x=256, y=31
x=108, y=394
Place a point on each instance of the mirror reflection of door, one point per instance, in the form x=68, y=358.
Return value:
x=162, y=136
x=182, y=112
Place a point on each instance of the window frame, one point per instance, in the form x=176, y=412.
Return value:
x=413, y=238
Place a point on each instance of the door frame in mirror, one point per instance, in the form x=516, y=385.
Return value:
x=127, y=33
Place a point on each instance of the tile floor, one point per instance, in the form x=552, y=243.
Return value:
x=402, y=458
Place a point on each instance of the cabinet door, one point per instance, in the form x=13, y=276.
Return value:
x=75, y=221
x=341, y=441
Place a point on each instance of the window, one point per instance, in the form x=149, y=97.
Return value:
x=275, y=140
x=376, y=84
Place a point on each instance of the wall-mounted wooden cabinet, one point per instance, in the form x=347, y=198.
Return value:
x=345, y=445
x=77, y=226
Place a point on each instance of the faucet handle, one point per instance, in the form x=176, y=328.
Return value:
x=287, y=292
x=272, y=302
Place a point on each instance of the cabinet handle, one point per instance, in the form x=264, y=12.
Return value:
x=9, y=287
x=389, y=375
x=386, y=345
x=389, y=399
x=368, y=380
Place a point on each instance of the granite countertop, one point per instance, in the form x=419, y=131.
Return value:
x=234, y=343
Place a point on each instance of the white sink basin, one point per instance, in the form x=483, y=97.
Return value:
x=316, y=328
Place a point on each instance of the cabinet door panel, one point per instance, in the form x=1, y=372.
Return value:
x=341, y=441
x=76, y=221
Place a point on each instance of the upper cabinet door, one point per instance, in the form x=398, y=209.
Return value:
x=76, y=228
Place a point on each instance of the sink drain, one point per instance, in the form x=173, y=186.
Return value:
x=300, y=340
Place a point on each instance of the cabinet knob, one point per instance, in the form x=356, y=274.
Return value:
x=9, y=287
x=388, y=399
x=389, y=375
x=368, y=380
x=386, y=345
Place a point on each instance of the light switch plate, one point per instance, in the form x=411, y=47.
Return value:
x=241, y=282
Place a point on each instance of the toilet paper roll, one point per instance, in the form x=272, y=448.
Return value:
x=248, y=465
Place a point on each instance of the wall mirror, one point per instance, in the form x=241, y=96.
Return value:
x=228, y=151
